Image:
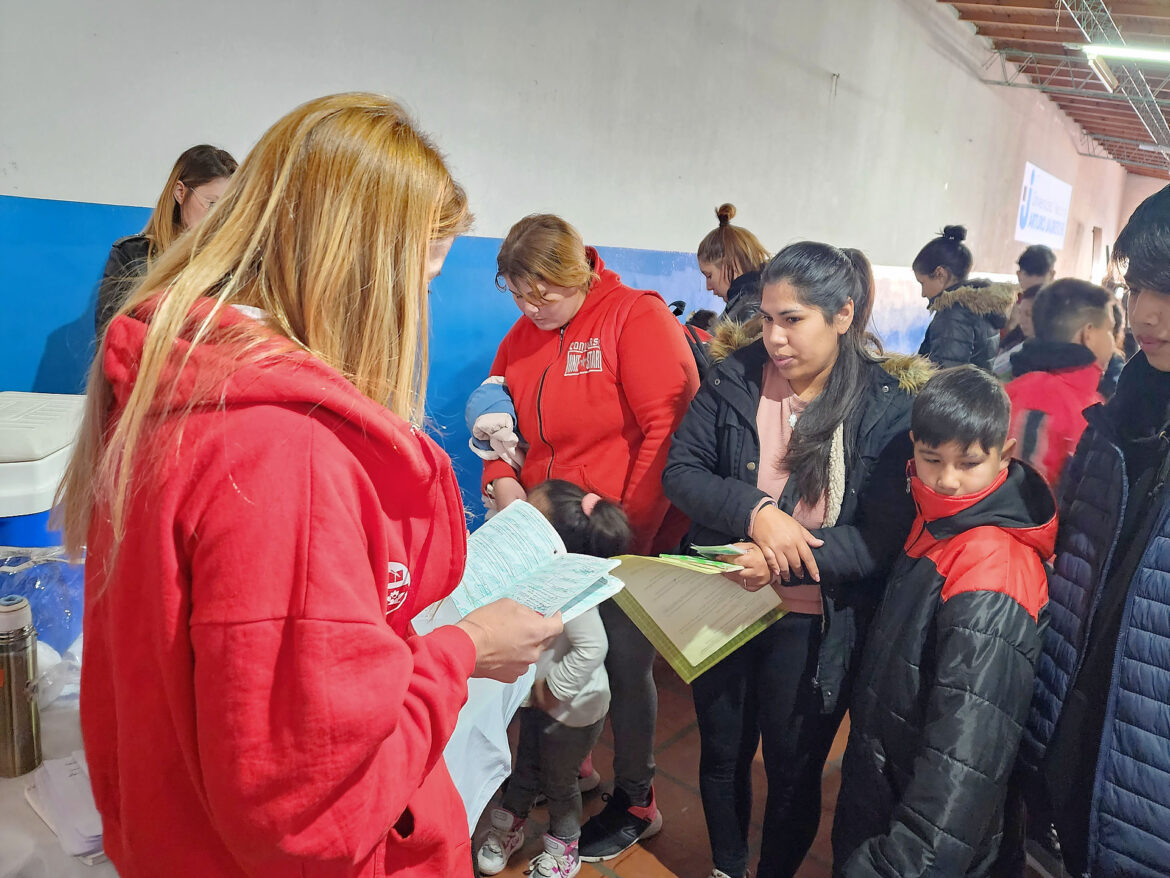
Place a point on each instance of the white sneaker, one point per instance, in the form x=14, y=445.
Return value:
x=504, y=838
x=719, y=873
x=560, y=859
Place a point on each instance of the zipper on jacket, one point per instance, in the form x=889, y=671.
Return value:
x=539, y=396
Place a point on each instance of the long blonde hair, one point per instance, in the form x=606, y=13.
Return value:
x=196, y=166
x=326, y=227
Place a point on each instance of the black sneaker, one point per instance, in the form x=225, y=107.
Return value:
x=618, y=826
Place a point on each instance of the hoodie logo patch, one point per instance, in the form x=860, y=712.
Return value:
x=583, y=358
x=397, y=586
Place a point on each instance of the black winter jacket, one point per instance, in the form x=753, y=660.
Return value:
x=966, y=324
x=945, y=684
x=125, y=266
x=743, y=298
x=711, y=476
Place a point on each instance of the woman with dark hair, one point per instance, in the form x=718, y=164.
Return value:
x=730, y=258
x=968, y=315
x=198, y=179
x=795, y=449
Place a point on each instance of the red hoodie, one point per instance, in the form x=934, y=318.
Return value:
x=599, y=399
x=1048, y=414
x=254, y=700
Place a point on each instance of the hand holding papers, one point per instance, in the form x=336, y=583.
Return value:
x=517, y=554
x=693, y=615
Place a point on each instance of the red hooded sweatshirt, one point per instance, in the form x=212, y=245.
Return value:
x=599, y=399
x=254, y=700
x=1056, y=383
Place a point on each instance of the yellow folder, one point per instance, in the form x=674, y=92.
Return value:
x=693, y=615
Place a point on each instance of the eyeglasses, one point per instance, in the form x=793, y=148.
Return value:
x=207, y=205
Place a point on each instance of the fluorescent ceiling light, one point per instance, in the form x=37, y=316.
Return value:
x=1153, y=147
x=1098, y=65
x=1126, y=53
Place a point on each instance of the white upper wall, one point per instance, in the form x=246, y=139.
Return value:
x=861, y=122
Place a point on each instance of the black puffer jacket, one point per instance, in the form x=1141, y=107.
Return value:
x=966, y=324
x=945, y=684
x=711, y=476
x=125, y=266
x=743, y=298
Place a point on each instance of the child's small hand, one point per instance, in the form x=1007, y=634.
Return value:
x=542, y=698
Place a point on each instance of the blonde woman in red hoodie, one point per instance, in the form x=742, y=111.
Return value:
x=264, y=517
x=601, y=375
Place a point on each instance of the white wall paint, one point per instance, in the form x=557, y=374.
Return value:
x=1138, y=189
x=862, y=122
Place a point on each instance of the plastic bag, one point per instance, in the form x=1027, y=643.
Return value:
x=54, y=587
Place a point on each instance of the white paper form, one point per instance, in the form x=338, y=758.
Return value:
x=561, y=580
x=501, y=552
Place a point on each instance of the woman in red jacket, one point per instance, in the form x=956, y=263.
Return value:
x=264, y=517
x=601, y=375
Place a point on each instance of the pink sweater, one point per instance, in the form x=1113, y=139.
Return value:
x=776, y=416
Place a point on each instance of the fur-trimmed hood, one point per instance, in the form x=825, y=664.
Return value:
x=982, y=297
x=911, y=370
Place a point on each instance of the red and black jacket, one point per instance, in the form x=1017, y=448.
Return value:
x=945, y=684
x=1055, y=383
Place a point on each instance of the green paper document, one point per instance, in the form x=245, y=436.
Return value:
x=693, y=615
x=716, y=551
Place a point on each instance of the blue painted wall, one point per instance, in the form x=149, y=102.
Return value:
x=52, y=254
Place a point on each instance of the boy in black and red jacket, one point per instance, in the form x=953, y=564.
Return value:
x=946, y=677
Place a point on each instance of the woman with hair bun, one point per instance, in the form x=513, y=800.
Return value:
x=730, y=258
x=968, y=315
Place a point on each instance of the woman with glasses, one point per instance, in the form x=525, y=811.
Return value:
x=600, y=375
x=198, y=179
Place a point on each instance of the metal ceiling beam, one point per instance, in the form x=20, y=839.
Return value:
x=1065, y=76
x=1096, y=22
x=1121, y=8
x=1052, y=21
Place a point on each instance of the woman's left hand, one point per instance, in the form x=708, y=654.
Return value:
x=787, y=545
x=755, y=574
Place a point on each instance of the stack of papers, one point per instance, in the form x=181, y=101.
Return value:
x=60, y=794
x=692, y=614
x=517, y=554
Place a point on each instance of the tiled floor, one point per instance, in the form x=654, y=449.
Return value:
x=681, y=849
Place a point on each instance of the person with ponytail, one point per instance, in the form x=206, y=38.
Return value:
x=197, y=181
x=968, y=314
x=730, y=258
x=263, y=516
x=566, y=711
x=794, y=449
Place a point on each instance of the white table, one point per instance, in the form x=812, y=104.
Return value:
x=28, y=848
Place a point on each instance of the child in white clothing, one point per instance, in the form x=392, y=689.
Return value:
x=569, y=700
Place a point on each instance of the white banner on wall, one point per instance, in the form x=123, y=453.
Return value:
x=1043, y=214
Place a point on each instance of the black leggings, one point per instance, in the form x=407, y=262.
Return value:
x=764, y=690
